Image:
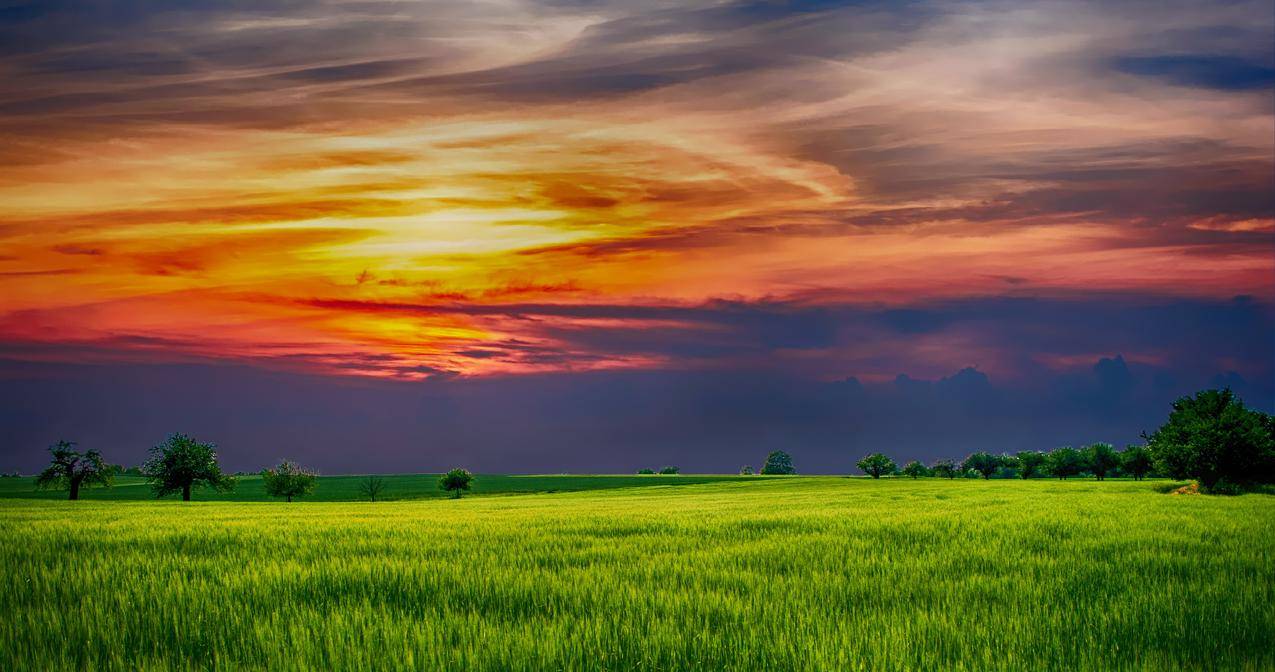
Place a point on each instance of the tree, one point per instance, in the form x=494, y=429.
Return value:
x=646, y=470
x=944, y=468
x=73, y=470
x=985, y=464
x=371, y=487
x=181, y=463
x=1214, y=439
x=288, y=480
x=1030, y=462
x=1136, y=460
x=778, y=463
x=670, y=471
x=455, y=480
x=1101, y=458
x=746, y=470
x=876, y=464
x=915, y=469
x=1064, y=462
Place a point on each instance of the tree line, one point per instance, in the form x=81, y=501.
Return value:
x=180, y=464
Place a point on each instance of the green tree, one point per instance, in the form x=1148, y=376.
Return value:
x=646, y=470
x=915, y=469
x=876, y=465
x=1030, y=463
x=288, y=480
x=778, y=463
x=944, y=468
x=73, y=470
x=1136, y=460
x=1214, y=439
x=455, y=480
x=985, y=464
x=1064, y=462
x=746, y=470
x=1102, y=459
x=180, y=463
x=670, y=471
x=371, y=487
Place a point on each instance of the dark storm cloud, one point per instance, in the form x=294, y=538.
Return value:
x=1208, y=71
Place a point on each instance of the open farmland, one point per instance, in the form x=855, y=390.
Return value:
x=782, y=573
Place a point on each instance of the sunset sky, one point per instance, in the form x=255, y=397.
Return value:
x=546, y=236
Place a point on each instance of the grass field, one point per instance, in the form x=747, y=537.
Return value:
x=808, y=573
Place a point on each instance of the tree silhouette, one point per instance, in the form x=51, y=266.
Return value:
x=778, y=463
x=181, y=463
x=371, y=487
x=877, y=464
x=288, y=480
x=455, y=480
x=72, y=470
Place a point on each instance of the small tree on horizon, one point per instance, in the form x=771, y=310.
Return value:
x=944, y=468
x=1137, y=461
x=984, y=463
x=778, y=463
x=288, y=480
x=877, y=465
x=180, y=463
x=1101, y=458
x=371, y=487
x=746, y=470
x=670, y=471
x=1030, y=462
x=645, y=471
x=1064, y=462
x=915, y=469
x=455, y=481
x=73, y=470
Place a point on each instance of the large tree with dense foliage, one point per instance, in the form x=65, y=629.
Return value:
x=1064, y=462
x=181, y=463
x=985, y=464
x=289, y=480
x=877, y=465
x=1102, y=459
x=1214, y=439
x=71, y=469
x=778, y=463
x=1136, y=461
x=455, y=481
x=915, y=469
x=1030, y=462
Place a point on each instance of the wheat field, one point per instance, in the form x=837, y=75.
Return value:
x=787, y=573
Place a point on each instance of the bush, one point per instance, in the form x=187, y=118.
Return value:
x=645, y=471
x=670, y=471
x=746, y=470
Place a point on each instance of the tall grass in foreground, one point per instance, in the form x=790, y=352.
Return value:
x=801, y=573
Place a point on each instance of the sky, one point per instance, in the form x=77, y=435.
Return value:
x=597, y=236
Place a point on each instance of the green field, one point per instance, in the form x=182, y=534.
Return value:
x=799, y=573
x=346, y=488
